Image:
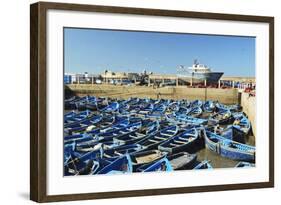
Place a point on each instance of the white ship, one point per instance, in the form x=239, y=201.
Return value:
x=199, y=72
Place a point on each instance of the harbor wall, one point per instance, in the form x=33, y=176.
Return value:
x=226, y=96
x=249, y=107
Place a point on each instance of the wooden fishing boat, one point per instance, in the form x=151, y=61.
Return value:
x=89, y=124
x=120, y=150
x=173, y=107
x=221, y=117
x=82, y=104
x=90, y=145
x=70, y=104
x=77, y=138
x=158, y=111
x=204, y=165
x=152, y=141
x=107, y=122
x=184, y=119
x=121, y=165
x=228, y=148
x=162, y=164
x=83, y=124
x=242, y=123
x=106, y=135
x=91, y=131
x=195, y=111
x=77, y=161
x=185, y=103
x=182, y=160
x=137, y=135
x=220, y=107
x=184, y=141
x=244, y=165
x=118, y=130
x=68, y=150
x=69, y=115
x=145, y=157
x=75, y=117
x=209, y=106
x=182, y=111
x=196, y=103
x=114, y=106
x=234, y=133
x=148, y=108
x=231, y=108
x=84, y=168
x=235, y=108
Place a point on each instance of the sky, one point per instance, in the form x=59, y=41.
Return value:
x=95, y=50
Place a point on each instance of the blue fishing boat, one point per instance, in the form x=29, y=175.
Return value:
x=146, y=157
x=182, y=111
x=209, y=106
x=91, y=145
x=186, y=120
x=162, y=164
x=69, y=115
x=221, y=117
x=86, y=168
x=182, y=160
x=228, y=148
x=75, y=117
x=195, y=111
x=185, y=103
x=158, y=111
x=83, y=124
x=203, y=165
x=106, y=135
x=77, y=138
x=235, y=108
x=184, y=141
x=108, y=121
x=234, y=133
x=148, y=108
x=114, y=106
x=77, y=161
x=70, y=103
x=137, y=135
x=242, y=123
x=118, y=130
x=68, y=150
x=120, y=150
x=173, y=107
x=152, y=141
x=196, y=103
x=220, y=107
x=121, y=165
x=82, y=104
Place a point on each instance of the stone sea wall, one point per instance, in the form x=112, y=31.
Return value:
x=226, y=96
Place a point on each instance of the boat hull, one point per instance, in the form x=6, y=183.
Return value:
x=229, y=151
x=212, y=77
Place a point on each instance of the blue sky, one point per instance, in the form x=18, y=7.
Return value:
x=93, y=51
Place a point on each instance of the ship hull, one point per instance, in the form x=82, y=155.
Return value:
x=212, y=77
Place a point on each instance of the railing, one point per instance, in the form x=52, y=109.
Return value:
x=220, y=84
